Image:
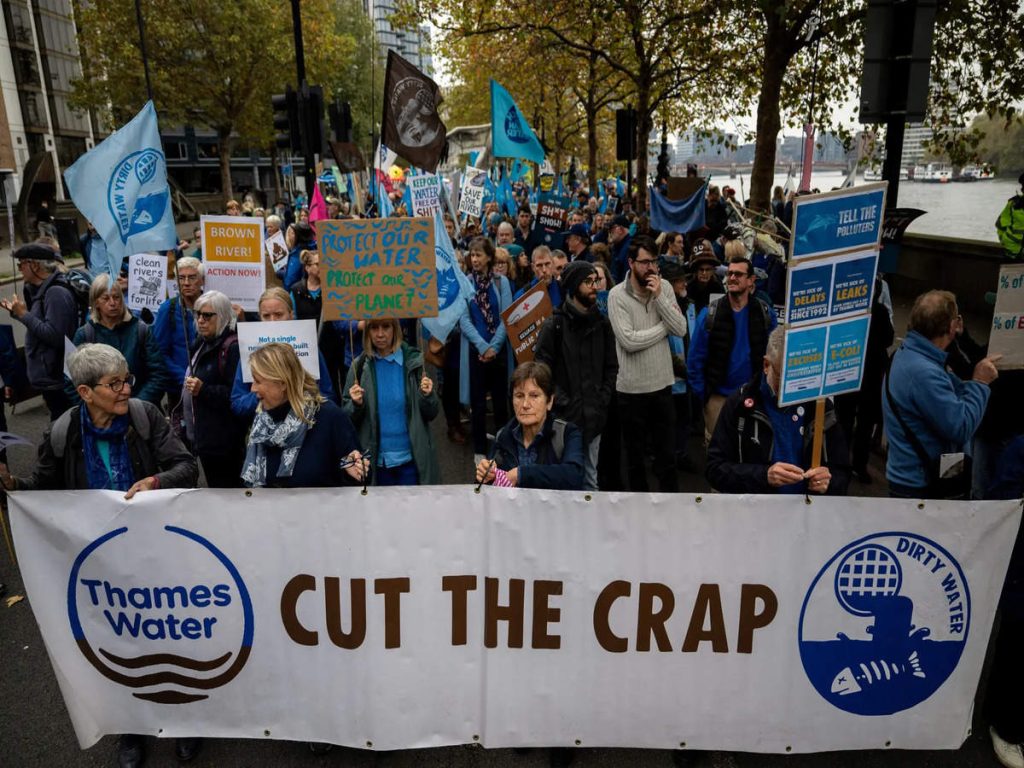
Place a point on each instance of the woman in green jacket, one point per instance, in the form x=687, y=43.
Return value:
x=391, y=401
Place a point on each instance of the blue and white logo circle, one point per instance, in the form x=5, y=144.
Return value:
x=137, y=193
x=884, y=623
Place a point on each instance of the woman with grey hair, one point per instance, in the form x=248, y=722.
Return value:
x=217, y=436
x=111, y=441
x=111, y=323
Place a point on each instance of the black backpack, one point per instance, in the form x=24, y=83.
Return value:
x=79, y=283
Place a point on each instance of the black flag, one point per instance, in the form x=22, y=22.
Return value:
x=411, y=126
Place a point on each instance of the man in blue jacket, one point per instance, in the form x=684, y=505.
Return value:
x=925, y=407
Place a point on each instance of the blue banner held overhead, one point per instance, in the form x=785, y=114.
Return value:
x=512, y=135
x=677, y=216
x=121, y=187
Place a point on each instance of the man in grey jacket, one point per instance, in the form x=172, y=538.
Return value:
x=643, y=312
x=49, y=313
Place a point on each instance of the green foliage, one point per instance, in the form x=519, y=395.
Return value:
x=1002, y=145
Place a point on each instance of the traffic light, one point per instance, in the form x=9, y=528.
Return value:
x=314, y=119
x=286, y=120
x=340, y=114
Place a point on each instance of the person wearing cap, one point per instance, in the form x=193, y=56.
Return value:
x=644, y=313
x=50, y=318
x=619, y=240
x=1010, y=224
x=578, y=344
x=727, y=345
x=577, y=243
x=705, y=283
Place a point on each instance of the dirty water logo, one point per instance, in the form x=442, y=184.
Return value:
x=170, y=634
x=137, y=195
x=884, y=623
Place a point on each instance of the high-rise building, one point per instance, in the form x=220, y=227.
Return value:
x=914, y=138
x=411, y=44
x=39, y=58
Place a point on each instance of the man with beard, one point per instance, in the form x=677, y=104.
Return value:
x=644, y=313
x=578, y=345
x=727, y=346
x=705, y=283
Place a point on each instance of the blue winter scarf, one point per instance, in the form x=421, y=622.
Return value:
x=120, y=477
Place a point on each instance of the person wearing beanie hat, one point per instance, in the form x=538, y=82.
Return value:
x=705, y=283
x=578, y=345
x=50, y=318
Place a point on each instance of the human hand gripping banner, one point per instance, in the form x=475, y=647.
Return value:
x=417, y=617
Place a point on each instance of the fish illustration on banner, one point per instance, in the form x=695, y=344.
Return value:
x=121, y=187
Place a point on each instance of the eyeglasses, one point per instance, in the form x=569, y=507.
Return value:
x=590, y=282
x=734, y=273
x=205, y=315
x=188, y=278
x=117, y=385
x=646, y=262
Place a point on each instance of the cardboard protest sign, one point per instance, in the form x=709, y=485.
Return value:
x=277, y=250
x=377, y=268
x=147, y=281
x=233, y=252
x=1007, y=336
x=301, y=334
x=523, y=321
x=425, y=191
x=473, y=185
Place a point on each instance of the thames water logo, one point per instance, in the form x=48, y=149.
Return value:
x=884, y=623
x=169, y=639
x=137, y=195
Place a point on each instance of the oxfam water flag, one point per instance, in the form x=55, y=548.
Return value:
x=121, y=187
x=453, y=287
x=513, y=136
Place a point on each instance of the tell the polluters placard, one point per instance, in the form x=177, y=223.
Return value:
x=838, y=221
x=377, y=268
x=233, y=255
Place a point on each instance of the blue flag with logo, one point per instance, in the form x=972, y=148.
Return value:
x=453, y=287
x=121, y=187
x=677, y=216
x=512, y=135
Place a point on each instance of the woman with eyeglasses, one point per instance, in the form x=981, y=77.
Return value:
x=110, y=442
x=217, y=436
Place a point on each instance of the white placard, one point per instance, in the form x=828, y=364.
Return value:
x=474, y=182
x=301, y=334
x=277, y=250
x=147, y=281
x=425, y=191
x=424, y=616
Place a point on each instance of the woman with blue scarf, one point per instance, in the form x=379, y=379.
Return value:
x=110, y=442
x=298, y=439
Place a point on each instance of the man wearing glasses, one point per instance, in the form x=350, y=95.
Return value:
x=643, y=312
x=175, y=326
x=728, y=343
x=578, y=345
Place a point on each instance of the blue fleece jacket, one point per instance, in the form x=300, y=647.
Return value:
x=941, y=410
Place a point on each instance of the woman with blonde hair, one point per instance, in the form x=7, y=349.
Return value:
x=298, y=439
x=392, y=402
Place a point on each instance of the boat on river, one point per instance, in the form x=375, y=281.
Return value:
x=933, y=173
x=976, y=173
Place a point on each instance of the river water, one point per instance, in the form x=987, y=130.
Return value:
x=953, y=209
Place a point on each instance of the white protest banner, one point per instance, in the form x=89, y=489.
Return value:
x=425, y=191
x=416, y=617
x=1007, y=336
x=147, y=281
x=233, y=256
x=69, y=350
x=474, y=182
x=301, y=334
x=277, y=249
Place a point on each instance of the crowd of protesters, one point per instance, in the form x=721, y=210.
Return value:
x=657, y=339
